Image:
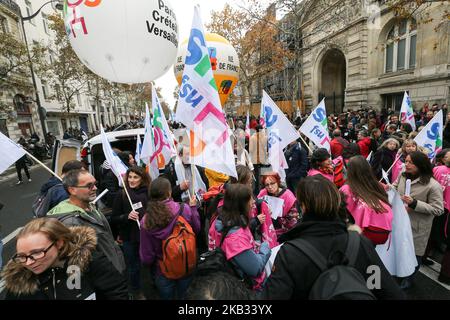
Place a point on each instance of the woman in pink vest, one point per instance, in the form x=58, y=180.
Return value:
x=231, y=232
x=408, y=146
x=322, y=164
x=367, y=201
x=272, y=184
x=260, y=221
x=442, y=175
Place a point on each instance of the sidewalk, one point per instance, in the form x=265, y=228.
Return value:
x=11, y=171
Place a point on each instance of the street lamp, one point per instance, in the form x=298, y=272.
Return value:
x=41, y=110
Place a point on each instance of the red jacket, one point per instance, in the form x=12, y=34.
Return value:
x=337, y=146
x=364, y=146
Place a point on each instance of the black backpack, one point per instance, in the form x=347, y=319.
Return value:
x=215, y=261
x=41, y=204
x=340, y=281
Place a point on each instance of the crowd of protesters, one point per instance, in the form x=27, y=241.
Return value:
x=331, y=201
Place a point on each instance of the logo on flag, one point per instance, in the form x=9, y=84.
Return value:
x=430, y=137
x=407, y=112
x=316, y=127
x=199, y=107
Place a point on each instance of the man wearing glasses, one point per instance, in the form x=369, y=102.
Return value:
x=78, y=210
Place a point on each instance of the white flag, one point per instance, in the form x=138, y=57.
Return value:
x=11, y=152
x=199, y=185
x=316, y=127
x=407, y=112
x=247, y=125
x=148, y=147
x=280, y=132
x=117, y=166
x=430, y=137
x=199, y=107
x=163, y=141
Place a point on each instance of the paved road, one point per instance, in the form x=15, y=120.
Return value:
x=17, y=200
x=16, y=213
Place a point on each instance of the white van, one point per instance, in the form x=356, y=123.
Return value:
x=92, y=151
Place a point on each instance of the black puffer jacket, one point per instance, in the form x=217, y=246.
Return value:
x=294, y=274
x=99, y=279
x=128, y=229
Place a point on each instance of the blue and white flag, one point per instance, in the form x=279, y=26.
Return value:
x=316, y=127
x=137, y=154
x=280, y=132
x=199, y=107
x=407, y=112
x=430, y=137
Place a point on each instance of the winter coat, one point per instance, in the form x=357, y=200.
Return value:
x=128, y=229
x=59, y=194
x=430, y=203
x=337, y=146
x=294, y=274
x=364, y=146
x=99, y=280
x=108, y=181
x=297, y=160
x=446, y=136
x=287, y=221
x=71, y=215
x=258, y=148
x=151, y=240
x=383, y=160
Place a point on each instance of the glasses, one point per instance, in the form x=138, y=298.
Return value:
x=89, y=186
x=270, y=184
x=34, y=256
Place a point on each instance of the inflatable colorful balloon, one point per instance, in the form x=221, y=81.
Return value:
x=126, y=41
x=224, y=62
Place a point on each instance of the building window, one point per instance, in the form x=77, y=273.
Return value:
x=45, y=23
x=79, y=99
x=45, y=89
x=29, y=11
x=4, y=24
x=58, y=92
x=401, y=47
x=53, y=127
x=21, y=104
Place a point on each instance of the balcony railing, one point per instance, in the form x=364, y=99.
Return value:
x=11, y=5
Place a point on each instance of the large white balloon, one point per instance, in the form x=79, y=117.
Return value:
x=127, y=41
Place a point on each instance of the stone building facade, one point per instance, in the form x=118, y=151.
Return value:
x=18, y=114
x=358, y=54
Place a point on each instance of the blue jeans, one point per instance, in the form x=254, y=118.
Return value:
x=133, y=262
x=168, y=288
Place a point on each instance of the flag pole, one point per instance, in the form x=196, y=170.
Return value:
x=395, y=161
x=305, y=143
x=43, y=165
x=129, y=199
